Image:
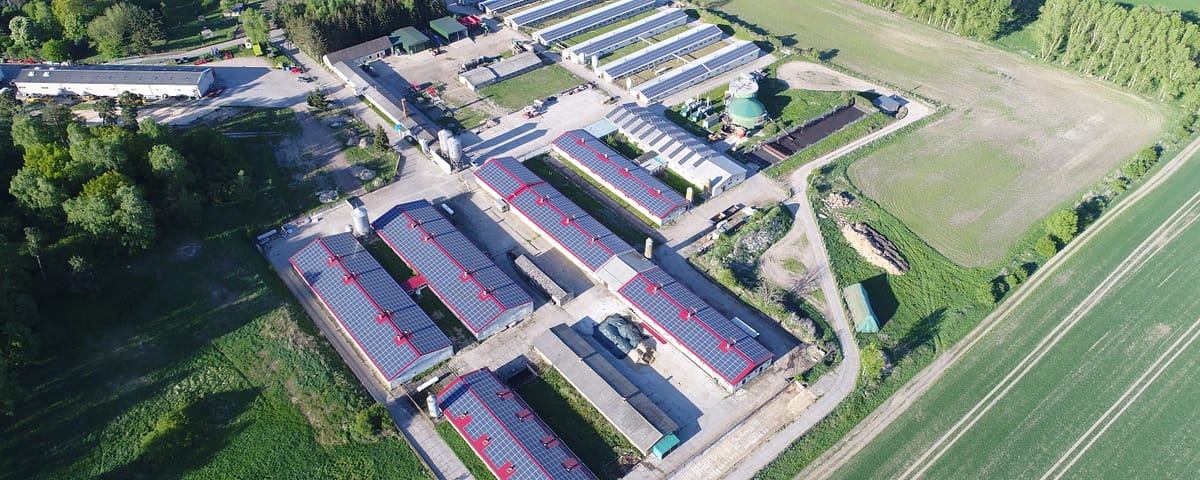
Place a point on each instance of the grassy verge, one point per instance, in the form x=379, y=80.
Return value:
x=474, y=464
x=382, y=163
x=575, y=420
x=854, y=131
x=521, y=90
x=279, y=120
x=602, y=212
x=680, y=184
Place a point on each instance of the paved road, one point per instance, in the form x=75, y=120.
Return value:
x=858, y=438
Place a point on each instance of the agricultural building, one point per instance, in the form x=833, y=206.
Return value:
x=661, y=52
x=409, y=122
x=718, y=345
x=496, y=7
x=888, y=104
x=697, y=71
x=111, y=81
x=546, y=11
x=592, y=20
x=746, y=112
x=861, y=312
x=387, y=327
x=477, y=78
x=633, y=414
x=448, y=28
x=635, y=184
x=482, y=296
x=501, y=429
x=361, y=53
x=627, y=35
x=409, y=40
x=681, y=151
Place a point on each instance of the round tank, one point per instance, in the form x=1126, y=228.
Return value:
x=444, y=134
x=746, y=112
x=452, y=148
x=360, y=222
x=743, y=88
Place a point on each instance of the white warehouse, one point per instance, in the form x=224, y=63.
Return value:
x=110, y=81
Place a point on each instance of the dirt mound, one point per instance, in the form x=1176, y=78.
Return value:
x=875, y=248
x=840, y=200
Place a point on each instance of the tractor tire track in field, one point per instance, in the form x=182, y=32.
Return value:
x=853, y=443
x=1182, y=218
x=1123, y=403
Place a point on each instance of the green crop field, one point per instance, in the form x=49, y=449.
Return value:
x=1091, y=377
x=1022, y=137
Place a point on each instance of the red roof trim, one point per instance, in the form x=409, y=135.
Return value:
x=471, y=390
x=653, y=191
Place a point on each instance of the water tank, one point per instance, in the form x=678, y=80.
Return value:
x=360, y=222
x=743, y=88
x=746, y=112
x=452, y=149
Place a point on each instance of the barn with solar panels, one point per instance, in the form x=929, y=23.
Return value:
x=482, y=296
x=501, y=429
x=661, y=52
x=640, y=189
x=384, y=323
x=543, y=12
x=697, y=71
x=592, y=20
x=627, y=35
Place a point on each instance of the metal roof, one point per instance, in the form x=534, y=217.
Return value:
x=593, y=19
x=371, y=307
x=462, y=276
x=501, y=6
x=699, y=70
x=664, y=51
x=113, y=74
x=599, y=381
x=409, y=36
x=546, y=11
x=630, y=34
x=367, y=48
x=516, y=64
x=511, y=439
x=861, y=312
x=569, y=226
x=685, y=154
x=714, y=339
x=629, y=179
x=447, y=26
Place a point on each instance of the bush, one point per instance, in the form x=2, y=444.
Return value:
x=1063, y=225
x=372, y=421
x=1046, y=247
x=1141, y=163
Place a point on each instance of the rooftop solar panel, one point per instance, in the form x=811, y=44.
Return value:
x=548, y=10
x=662, y=52
x=628, y=35
x=699, y=70
x=460, y=274
x=372, y=308
x=710, y=336
x=593, y=19
x=502, y=430
x=629, y=179
x=501, y=6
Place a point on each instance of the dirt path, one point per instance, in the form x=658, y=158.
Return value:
x=811, y=76
x=854, y=442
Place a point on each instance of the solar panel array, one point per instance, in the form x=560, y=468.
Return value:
x=715, y=340
x=629, y=179
x=662, y=52
x=502, y=430
x=686, y=154
x=462, y=276
x=627, y=35
x=385, y=323
x=554, y=215
x=593, y=19
x=501, y=6
x=698, y=70
x=547, y=11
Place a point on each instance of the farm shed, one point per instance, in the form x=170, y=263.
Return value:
x=641, y=190
x=633, y=414
x=361, y=53
x=889, y=104
x=386, y=326
x=110, y=81
x=661, y=52
x=626, y=35
x=448, y=28
x=496, y=7
x=683, y=153
x=482, y=296
x=697, y=71
x=409, y=39
x=477, y=78
x=592, y=20
x=861, y=312
x=540, y=13
x=501, y=429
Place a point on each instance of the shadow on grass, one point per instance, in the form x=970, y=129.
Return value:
x=882, y=298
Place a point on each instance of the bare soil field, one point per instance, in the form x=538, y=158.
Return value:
x=1022, y=138
x=811, y=76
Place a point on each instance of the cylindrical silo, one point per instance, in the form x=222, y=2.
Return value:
x=360, y=222
x=444, y=134
x=452, y=148
x=743, y=87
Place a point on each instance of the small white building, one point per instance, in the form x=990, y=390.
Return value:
x=110, y=81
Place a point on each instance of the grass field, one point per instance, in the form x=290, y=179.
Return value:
x=521, y=90
x=575, y=420
x=1111, y=396
x=1177, y=5
x=474, y=464
x=1040, y=135
x=194, y=361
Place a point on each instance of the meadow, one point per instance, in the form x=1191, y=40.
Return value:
x=520, y=91
x=1022, y=138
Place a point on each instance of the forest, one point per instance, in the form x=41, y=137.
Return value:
x=322, y=26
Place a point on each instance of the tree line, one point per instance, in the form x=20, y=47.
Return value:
x=982, y=19
x=58, y=30
x=322, y=26
x=81, y=197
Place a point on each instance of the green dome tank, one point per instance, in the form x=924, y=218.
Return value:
x=746, y=112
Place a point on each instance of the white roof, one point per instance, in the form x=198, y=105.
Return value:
x=685, y=154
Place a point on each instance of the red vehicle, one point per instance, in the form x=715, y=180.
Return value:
x=202, y=61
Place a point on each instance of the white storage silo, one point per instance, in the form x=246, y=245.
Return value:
x=360, y=221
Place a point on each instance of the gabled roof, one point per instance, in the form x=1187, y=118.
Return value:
x=504, y=432
x=447, y=26
x=409, y=36
x=714, y=339
x=684, y=153
x=462, y=276
x=592, y=19
x=113, y=74
x=372, y=308
x=630, y=33
x=569, y=226
x=630, y=179
x=369, y=47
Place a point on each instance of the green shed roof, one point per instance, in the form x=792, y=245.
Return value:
x=409, y=36
x=860, y=309
x=447, y=26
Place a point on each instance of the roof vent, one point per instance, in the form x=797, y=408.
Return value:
x=46, y=74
